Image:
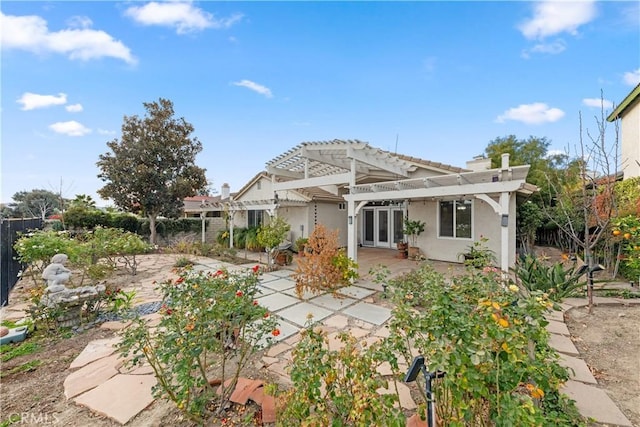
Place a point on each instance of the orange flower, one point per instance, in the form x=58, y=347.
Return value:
x=179, y=280
x=503, y=322
x=275, y=332
x=189, y=327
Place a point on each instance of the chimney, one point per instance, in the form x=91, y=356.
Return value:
x=505, y=161
x=479, y=163
x=225, y=191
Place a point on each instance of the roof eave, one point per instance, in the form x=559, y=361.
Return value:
x=626, y=103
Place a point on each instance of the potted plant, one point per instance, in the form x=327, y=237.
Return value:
x=478, y=255
x=402, y=249
x=272, y=235
x=301, y=243
x=413, y=228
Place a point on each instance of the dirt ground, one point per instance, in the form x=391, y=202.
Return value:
x=609, y=342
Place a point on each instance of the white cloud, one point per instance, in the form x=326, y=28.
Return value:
x=535, y=113
x=553, y=48
x=80, y=22
x=262, y=90
x=597, y=103
x=183, y=16
x=74, y=108
x=32, y=101
x=555, y=17
x=70, y=128
x=30, y=33
x=106, y=132
x=632, y=78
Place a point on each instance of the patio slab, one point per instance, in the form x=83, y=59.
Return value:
x=299, y=313
x=332, y=302
x=95, y=350
x=277, y=301
x=356, y=292
x=91, y=375
x=368, y=313
x=268, y=277
x=280, y=284
x=306, y=294
x=120, y=398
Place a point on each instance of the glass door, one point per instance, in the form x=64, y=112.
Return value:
x=383, y=227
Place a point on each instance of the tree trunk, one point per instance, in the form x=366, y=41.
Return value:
x=152, y=228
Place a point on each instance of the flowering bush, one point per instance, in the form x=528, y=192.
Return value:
x=35, y=250
x=627, y=231
x=211, y=324
x=491, y=342
x=337, y=387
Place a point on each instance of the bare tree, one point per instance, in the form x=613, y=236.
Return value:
x=584, y=199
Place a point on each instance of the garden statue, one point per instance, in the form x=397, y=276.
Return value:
x=56, y=274
x=57, y=294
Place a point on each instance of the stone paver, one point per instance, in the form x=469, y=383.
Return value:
x=559, y=328
x=356, y=292
x=95, y=350
x=281, y=284
x=369, y=313
x=406, y=401
x=333, y=302
x=563, y=344
x=595, y=403
x=302, y=313
x=121, y=398
x=578, y=369
x=277, y=301
x=91, y=375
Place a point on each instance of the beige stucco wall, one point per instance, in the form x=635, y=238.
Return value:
x=331, y=217
x=485, y=223
x=630, y=135
x=296, y=217
x=253, y=193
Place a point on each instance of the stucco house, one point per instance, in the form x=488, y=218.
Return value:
x=628, y=112
x=366, y=193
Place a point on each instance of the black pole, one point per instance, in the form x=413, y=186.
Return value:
x=431, y=401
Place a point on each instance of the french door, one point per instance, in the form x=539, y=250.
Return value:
x=382, y=226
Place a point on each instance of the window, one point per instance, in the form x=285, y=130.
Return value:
x=455, y=219
x=254, y=218
x=342, y=206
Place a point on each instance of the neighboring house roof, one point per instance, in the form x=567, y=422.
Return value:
x=627, y=103
x=311, y=193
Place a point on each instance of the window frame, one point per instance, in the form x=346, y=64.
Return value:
x=454, y=219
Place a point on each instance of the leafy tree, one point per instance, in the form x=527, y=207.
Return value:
x=532, y=151
x=151, y=169
x=36, y=203
x=83, y=201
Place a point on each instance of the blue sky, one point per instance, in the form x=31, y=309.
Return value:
x=437, y=80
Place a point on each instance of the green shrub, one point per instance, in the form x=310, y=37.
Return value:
x=337, y=387
x=555, y=280
x=211, y=324
x=491, y=342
